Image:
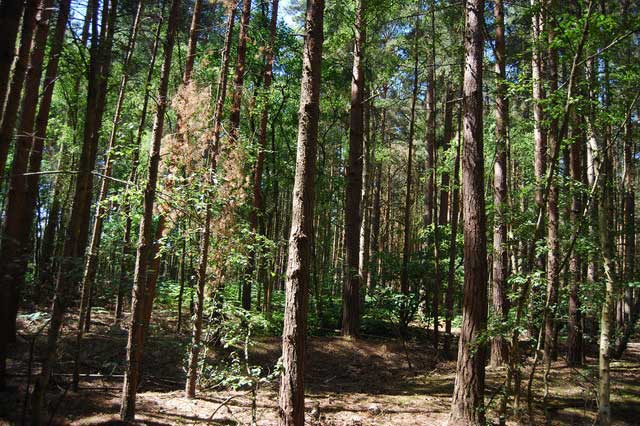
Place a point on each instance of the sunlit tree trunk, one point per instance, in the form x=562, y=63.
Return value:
x=291, y=396
x=145, y=239
x=467, y=407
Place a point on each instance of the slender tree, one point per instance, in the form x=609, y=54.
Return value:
x=353, y=178
x=499, y=348
x=135, y=341
x=291, y=396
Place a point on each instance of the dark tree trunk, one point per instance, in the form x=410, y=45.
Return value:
x=353, y=183
x=135, y=341
x=76, y=234
x=291, y=397
x=16, y=228
x=10, y=112
x=10, y=14
x=467, y=407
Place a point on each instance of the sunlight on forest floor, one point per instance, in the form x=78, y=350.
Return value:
x=373, y=381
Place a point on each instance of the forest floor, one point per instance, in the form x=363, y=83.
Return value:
x=371, y=381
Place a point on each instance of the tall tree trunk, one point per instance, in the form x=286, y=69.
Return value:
x=126, y=242
x=256, y=218
x=192, y=368
x=76, y=233
x=467, y=407
x=377, y=201
x=607, y=247
x=365, y=208
x=291, y=396
x=353, y=183
x=16, y=227
x=10, y=112
x=553, y=246
x=451, y=275
x=539, y=133
x=10, y=14
x=91, y=264
x=406, y=248
x=574, y=326
x=499, y=347
x=234, y=132
x=145, y=240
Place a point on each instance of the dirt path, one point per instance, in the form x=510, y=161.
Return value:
x=373, y=381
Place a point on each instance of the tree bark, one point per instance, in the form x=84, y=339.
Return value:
x=135, y=343
x=467, y=407
x=10, y=112
x=406, y=248
x=91, y=264
x=193, y=41
x=16, y=227
x=499, y=347
x=10, y=14
x=353, y=184
x=291, y=396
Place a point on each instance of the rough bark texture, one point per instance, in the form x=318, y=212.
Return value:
x=291, y=397
x=467, y=407
x=353, y=183
x=499, y=347
x=135, y=341
x=16, y=227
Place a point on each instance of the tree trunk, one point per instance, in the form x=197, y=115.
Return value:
x=193, y=41
x=145, y=240
x=553, y=245
x=467, y=407
x=91, y=264
x=353, y=183
x=499, y=347
x=10, y=14
x=574, y=326
x=406, y=248
x=10, y=112
x=539, y=133
x=451, y=275
x=234, y=131
x=256, y=218
x=76, y=233
x=192, y=368
x=291, y=396
x=16, y=227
